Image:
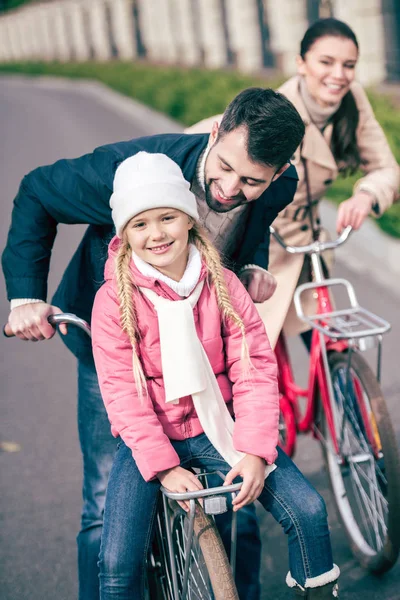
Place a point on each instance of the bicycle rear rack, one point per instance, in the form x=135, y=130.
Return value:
x=354, y=322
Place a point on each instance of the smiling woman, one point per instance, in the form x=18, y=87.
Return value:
x=341, y=136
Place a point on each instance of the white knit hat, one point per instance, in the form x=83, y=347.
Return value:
x=146, y=181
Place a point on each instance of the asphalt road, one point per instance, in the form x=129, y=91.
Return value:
x=40, y=482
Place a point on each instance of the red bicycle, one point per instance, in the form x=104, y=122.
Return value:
x=346, y=411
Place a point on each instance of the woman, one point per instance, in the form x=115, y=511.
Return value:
x=341, y=136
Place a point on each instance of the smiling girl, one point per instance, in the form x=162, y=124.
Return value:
x=179, y=348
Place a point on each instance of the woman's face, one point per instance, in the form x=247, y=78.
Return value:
x=329, y=68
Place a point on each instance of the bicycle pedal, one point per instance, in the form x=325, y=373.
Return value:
x=215, y=505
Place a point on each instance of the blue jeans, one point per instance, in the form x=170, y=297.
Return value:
x=131, y=506
x=98, y=450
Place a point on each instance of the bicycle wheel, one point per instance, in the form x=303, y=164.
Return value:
x=210, y=574
x=366, y=487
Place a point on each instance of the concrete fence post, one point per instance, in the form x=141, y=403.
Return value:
x=122, y=28
x=288, y=22
x=14, y=38
x=212, y=33
x=245, y=34
x=366, y=19
x=156, y=28
x=23, y=34
x=6, y=40
x=183, y=29
x=61, y=30
x=148, y=28
x=33, y=16
x=46, y=33
x=98, y=29
x=79, y=41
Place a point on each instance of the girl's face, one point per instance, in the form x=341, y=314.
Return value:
x=329, y=68
x=160, y=237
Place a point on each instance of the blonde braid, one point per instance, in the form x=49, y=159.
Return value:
x=210, y=254
x=127, y=308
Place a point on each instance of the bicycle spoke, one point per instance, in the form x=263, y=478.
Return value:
x=362, y=510
x=370, y=510
x=372, y=505
x=373, y=484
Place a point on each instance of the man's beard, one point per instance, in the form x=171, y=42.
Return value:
x=219, y=207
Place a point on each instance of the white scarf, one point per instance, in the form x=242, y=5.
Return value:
x=187, y=371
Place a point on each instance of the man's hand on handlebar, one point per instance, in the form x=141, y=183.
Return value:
x=354, y=211
x=29, y=322
x=259, y=283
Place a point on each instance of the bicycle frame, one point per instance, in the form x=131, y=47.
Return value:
x=332, y=330
x=318, y=382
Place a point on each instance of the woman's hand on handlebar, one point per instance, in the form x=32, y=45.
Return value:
x=29, y=322
x=354, y=211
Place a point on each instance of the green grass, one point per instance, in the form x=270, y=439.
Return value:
x=188, y=95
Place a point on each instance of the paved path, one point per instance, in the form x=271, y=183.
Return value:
x=40, y=499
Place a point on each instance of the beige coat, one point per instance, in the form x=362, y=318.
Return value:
x=382, y=178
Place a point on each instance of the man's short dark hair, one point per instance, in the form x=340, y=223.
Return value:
x=274, y=127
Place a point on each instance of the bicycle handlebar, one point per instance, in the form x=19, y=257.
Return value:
x=61, y=318
x=315, y=247
x=214, y=491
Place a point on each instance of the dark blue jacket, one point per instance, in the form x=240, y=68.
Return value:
x=78, y=191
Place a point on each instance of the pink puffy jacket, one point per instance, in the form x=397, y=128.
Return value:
x=148, y=425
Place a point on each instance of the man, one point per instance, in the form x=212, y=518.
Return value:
x=242, y=178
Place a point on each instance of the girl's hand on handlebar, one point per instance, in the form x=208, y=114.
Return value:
x=29, y=322
x=252, y=470
x=354, y=211
x=180, y=480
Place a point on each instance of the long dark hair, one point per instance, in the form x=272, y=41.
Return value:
x=345, y=120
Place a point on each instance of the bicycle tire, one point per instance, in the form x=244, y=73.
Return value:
x=213, y=575
x=366, y=429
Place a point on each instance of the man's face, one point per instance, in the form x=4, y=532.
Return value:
x=231, y=178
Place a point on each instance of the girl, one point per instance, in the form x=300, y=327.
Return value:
x=341, y=136
x=179, y=347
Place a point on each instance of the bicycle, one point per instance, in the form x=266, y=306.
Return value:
x=187, y=559
x=346, y=411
